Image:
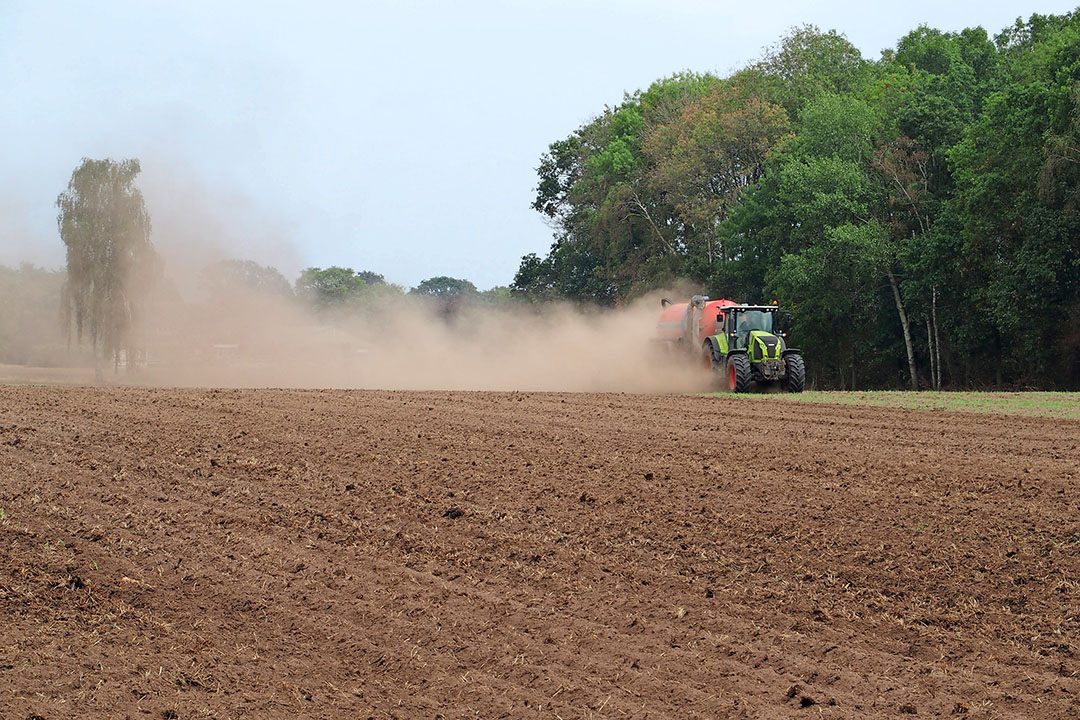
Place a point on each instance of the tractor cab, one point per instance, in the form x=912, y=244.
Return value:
x=742, y=321
x=739, y=322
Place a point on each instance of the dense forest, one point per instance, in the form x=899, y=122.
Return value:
x=918, y=213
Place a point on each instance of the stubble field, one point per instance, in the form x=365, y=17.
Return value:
x=353, y=554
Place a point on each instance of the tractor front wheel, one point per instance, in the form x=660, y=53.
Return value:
x=738, y=373
x=796, y=374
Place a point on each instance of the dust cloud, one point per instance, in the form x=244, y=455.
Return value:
x=191, y=334
x=195, y=225
x=405, y=343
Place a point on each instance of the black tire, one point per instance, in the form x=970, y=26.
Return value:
x=708, y=360
x=738, y=373
x=796, y=374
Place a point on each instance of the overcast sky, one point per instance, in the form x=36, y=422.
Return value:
x=400, y=137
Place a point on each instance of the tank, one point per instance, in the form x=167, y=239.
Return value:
x=691, y=322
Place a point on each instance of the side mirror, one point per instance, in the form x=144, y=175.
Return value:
x=664, y=302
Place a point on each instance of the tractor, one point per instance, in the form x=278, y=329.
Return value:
x=744, y=346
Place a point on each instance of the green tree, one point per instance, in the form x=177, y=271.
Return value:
x=447, y=295
x=926, y=94
x=614, y=234
x=823, y=200
x=1016, y=200
x=838, y=131
x=444, y=287
x=571, y=270
x=831, y=288
x=335, y=286
x=535, y=279
x=806, y=64
x=705, y=157
x=111, y=265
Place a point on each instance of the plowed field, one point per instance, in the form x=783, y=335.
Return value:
x=333, y=554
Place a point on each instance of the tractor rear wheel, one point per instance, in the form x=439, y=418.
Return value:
x=796, y=374
x=738, y=367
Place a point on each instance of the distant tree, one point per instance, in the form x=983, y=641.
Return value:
x=444, y=287
x=371, y=278
x=335, y=285
x=228, y=276
x=446, y=294
x=110, y=263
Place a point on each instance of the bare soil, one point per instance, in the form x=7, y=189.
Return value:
x=354, y=554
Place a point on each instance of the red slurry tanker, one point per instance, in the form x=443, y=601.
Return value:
x=743, y=344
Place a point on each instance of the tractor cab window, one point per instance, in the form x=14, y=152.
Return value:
x=753, y=320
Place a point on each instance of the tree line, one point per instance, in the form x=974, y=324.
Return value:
x=918, y=213
x=336, y=287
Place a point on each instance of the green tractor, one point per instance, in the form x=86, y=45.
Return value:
x=743, y=344
x=750, y=347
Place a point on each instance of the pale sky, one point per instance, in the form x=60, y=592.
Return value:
x=398, y=137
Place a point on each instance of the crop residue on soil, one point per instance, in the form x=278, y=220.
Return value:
x=273, y=554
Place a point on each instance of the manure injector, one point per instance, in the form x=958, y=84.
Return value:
x=742, y=345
